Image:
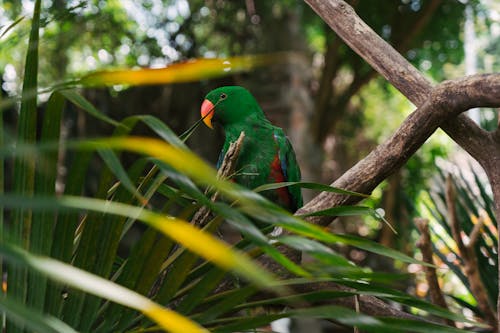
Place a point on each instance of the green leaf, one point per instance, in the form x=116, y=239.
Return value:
x=45, y=183
x=10, y=26
x=116, y=167
x=266, y=213
x=308, y=185
x=181, y=231
x=228, y=302
x=162, y=130
x=65, y=227
x=400, y=297
x=336, y=313
x=201, y=289
x=24, y=166
x=26, y=317
x=85, y=105
x=342, y=211
x=93, y=284
x=316, y=296
x=317, y=250
x=407, y=325
x=176, y=275
x=139, y=273
x=98, y=242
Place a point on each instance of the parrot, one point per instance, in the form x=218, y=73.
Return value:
x=266, y=155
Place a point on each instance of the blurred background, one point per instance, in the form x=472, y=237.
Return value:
x=334, y=107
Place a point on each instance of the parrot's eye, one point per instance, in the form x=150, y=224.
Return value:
x=223, y=96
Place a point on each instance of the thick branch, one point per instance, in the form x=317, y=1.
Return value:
x=447, y=101
x=389, y=63
x=365, y=175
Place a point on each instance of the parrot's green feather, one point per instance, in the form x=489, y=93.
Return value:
x=266, y=155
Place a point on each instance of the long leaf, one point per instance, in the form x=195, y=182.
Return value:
x=139, y=273
x=228, y=302
x=10, y=26
x=77, y=278
x=85, y=105
x=24, y=167
x=341, y=315
x=29, y=318
x=192, y=238
x=99, y=240
x=45, y=182
x=116, y=167
x=309, y=185
x=196, y=295
x=65, y=227
x=189, y=71
x=110, y=229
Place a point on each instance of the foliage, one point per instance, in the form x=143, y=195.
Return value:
x=61, y=248
x=474, y=208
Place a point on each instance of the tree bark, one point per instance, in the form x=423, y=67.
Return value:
x=445, y=101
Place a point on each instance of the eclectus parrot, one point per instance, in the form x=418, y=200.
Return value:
x=266, y=155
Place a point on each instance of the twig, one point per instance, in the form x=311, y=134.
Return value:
x=202, y=216
x=425, y=245
x=469, y=258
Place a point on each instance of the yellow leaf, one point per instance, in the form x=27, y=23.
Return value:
x=172, y=321
x=188, y=71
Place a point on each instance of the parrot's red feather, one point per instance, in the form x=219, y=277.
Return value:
x=277, y=176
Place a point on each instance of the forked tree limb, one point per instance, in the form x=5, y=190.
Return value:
x=481, y=145
x=445, y=102
x=397, y=70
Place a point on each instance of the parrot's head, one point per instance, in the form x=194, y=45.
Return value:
x=229, y=105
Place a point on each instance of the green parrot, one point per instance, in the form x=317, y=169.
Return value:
x=266, y=155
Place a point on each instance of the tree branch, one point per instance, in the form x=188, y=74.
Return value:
x=447, y=100
x=483, y=146
x=387, y=61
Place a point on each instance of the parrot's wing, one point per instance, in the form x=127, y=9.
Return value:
x=289, y=167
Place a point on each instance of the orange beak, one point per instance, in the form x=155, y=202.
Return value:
x=207, y=112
